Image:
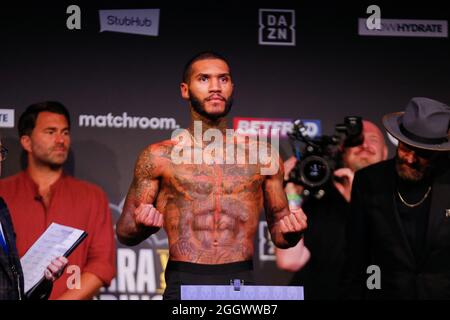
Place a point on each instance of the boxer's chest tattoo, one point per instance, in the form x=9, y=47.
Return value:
x=213, y=199
x=217, y=180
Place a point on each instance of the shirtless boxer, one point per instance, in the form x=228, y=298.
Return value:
x=210, y=212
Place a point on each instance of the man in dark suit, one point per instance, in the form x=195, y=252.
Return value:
x=398, y=237
x=11, y=276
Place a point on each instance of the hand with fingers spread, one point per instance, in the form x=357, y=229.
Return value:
x=294, y=222
x=55, y=268
x=146, y=215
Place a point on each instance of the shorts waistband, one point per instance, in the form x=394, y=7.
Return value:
x=209, y=268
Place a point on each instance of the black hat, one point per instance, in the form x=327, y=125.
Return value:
x=424, y=124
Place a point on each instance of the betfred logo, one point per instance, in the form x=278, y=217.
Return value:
x=268, y=126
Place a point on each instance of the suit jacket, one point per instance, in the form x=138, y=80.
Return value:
x=11, y=276
x=375, y=236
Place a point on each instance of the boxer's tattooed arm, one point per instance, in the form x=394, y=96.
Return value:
x=143, y=190
x=276, y=207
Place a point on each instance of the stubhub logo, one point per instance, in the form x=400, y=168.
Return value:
x=135, y=21
x=6, y=118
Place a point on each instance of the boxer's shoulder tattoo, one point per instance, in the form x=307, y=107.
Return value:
x=163, y=150
x=152, y=160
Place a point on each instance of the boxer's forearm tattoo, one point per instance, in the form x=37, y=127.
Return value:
x=274, y=195
x=143, y=189
x=276, y=205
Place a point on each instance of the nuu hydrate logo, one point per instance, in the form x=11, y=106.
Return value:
x=405, y=28
x=6, y=118
x=136, y=21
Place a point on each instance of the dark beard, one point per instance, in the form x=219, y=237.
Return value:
x=419, y=175
x=199, y=107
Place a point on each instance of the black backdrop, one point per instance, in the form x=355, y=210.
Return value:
x=329, y=73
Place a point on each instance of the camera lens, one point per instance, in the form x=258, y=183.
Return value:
x=314, y=171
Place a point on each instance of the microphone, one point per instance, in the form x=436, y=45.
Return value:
x=38, y=197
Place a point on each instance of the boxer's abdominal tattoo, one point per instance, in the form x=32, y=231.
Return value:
x=218, y=194
x=213, y=212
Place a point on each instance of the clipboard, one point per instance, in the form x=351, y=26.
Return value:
x=57, y=240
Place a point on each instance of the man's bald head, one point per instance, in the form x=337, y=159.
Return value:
x=371, y=151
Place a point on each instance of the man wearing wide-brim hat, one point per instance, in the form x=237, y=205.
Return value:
x=399, y=232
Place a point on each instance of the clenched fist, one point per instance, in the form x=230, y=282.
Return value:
x=147, y=215
x=294, y=222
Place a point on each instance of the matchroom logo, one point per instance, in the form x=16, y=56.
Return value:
x=276, y=27
x=126, y=121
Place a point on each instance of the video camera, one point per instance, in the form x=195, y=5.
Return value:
x=320, y=157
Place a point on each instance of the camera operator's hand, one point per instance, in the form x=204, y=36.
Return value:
x=291, y=188
x=344, y=182
x=294, y=222
x=289, y=164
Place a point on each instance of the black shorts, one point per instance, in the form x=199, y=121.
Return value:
x=185, y=273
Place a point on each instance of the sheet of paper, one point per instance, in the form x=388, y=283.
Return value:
x=246, y=292
x=53, y=243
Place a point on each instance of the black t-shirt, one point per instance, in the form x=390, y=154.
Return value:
x=325, y=239
x=414, y=220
